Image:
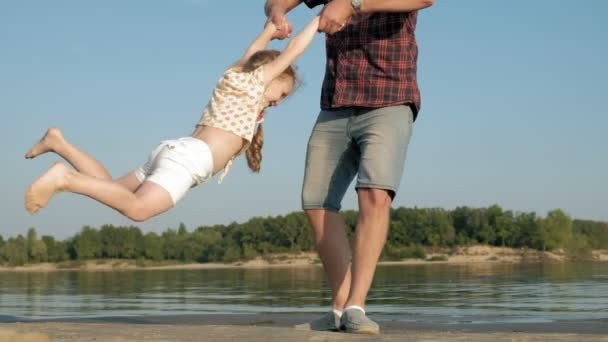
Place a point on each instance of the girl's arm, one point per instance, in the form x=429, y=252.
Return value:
x=260, y=42
x=294, y=49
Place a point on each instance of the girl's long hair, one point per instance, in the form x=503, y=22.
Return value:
x=254, y=152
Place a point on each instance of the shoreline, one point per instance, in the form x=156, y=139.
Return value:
x=476, y=254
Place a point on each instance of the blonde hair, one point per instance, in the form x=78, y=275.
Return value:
x=254, y=152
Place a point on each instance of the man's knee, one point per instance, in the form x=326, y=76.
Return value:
x=323, y=220
x=371, y=199
x=315, y=215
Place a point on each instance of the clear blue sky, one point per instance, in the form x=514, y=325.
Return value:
x=513, y=112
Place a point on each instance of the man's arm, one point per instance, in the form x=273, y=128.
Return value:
x=276, y=10
x=368, y=6
x=337, y=12
x=282, y=6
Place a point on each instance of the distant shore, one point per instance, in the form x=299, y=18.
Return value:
x=461, y=255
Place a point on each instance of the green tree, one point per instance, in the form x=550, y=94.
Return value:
x=506, y=229
x=555, y=230
x=299, y=232
x=182, y=230
x=193, y=246
x=398, y=227
x=440, y=231
x=528, y=234
x=36, y=249
x=14, y=251
x=134, y=243
x=252, y=233
x=153, y=246
x=211, y=244
x=32, y=237
x=39, y=252
x=87, y=244
x=171, y=245
x=463, y=225
x=56, y=250
x=596, y=233
x=112, y=240
x=249, y=252
x=232, y=253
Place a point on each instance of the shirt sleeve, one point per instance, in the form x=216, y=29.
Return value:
x=247, y=82
x=315, y=3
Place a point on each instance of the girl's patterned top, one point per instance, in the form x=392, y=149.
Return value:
x=235, y=104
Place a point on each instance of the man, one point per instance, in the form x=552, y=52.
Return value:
x=369, y=101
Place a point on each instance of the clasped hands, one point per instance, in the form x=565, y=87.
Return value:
x=333, y=18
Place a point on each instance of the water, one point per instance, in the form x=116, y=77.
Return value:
x=435, y=293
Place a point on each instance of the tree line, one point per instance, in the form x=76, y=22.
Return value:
x=411, y=231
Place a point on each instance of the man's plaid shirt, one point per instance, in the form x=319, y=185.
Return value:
x=371, y=62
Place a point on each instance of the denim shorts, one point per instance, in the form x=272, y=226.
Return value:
x=370, y=143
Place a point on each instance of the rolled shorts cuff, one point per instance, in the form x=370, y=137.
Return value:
x=320, y=207
x=140, y=174
x=376, y=186
x=379, y=187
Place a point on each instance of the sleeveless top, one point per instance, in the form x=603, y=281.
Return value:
x=235, y=104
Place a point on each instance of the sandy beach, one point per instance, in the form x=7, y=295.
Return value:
x=265, y=329
x=461, y=255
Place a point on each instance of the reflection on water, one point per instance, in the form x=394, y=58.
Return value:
x=449, y=293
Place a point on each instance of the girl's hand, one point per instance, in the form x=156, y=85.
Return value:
x=281, y=25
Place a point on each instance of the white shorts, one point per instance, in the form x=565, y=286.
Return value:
x=177, y=165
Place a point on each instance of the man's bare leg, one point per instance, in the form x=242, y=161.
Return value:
x=368, y=242
x=334, y=249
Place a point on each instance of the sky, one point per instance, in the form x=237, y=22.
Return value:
x=513, y=109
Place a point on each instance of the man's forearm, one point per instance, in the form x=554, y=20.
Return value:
x=369, y=6
x=282, y=5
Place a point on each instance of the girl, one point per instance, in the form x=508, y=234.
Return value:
x=261, y=79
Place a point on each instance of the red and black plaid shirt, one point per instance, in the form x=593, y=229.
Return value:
x=371, y=62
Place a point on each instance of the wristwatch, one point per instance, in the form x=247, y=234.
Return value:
x=356, y=4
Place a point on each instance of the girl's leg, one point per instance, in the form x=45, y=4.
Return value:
x=53, y=141
x=149, y=200
x=129, y=181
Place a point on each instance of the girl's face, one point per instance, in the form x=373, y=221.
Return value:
x=277, y=90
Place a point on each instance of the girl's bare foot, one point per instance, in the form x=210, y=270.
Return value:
x=41, y=191
x=48, y=142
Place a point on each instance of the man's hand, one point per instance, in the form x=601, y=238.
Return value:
x=335, y=15
x=272, y=29
x=279, y=20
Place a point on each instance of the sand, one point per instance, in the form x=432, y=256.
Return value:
x=119, y=332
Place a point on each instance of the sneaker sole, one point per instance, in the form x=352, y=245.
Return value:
x=362, y=331
x=306, y=327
